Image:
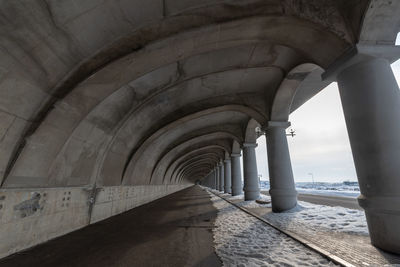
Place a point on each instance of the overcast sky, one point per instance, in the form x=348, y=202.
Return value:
x=321, y=145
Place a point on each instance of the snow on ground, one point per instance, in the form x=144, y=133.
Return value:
x=311, y=217
x=252, y=204
x=317, y=218
x=242, y=240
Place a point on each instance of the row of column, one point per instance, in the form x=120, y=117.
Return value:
x=227, y=175
x=371, y=104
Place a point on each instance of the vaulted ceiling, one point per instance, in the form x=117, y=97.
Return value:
x=158, y=91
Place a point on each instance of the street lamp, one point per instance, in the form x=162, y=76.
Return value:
x=260, y=132
x=291, y=133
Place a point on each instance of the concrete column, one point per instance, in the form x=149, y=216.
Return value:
x=221, y=176
x=213, y=180
x=371, y=104
x=236, y=174
x=217, y=178
x=282, y=187
x=251, y=184
x=204, y=182
x=209, y=180
x=228, y=178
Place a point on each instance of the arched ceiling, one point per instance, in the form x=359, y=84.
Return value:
x=149, y=92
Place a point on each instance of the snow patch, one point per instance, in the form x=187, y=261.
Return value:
x=317, y=218
x=251, y=204
x=242, y=240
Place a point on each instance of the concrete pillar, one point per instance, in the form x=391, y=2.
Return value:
x=214, y=180
x=217, y=178
x=209, y=180
x=236, y=174
x=371, y=104
x=282, y=187
x=204, y=181
x=221, y=176
x=228, y=178
x=251, y=184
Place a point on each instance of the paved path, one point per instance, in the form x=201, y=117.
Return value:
x=173, y=231
x=333, y=201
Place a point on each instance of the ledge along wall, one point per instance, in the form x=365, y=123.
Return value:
x=31, y=216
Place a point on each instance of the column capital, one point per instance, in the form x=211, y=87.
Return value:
x=250, y=144
x=234, y=155
x=227, y=160
x=277, y=124
x=358, y=54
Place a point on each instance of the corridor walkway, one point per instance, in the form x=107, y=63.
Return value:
x=173, y=231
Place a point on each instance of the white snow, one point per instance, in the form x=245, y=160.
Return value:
x=252, y=204
x=314, y=218
x=242, y=240
x=311, y=217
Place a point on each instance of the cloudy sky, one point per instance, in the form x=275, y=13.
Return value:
x=321, y=145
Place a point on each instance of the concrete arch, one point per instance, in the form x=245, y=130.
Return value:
x=193, y=160
x=181, y=129
x=197, y=142
x=175, y=162
x=110, y=78
x=287, y=91
x=381, y=23
x=157, y=92
x=96, y=140
x=251, y=134
x=194, y=166
x=198, y=171
x=236, y=148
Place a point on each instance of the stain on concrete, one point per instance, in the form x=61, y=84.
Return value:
x=28, y=207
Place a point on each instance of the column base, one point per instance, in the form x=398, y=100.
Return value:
x=227, y=190
x=251, y=194
x=283, y=200
x=236, y=191
x=383, y=218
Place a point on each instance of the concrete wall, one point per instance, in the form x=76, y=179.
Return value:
x=31, y=216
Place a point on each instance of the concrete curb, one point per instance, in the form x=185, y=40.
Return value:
x=322, y=252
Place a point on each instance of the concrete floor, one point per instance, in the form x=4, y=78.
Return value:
x=173, y=231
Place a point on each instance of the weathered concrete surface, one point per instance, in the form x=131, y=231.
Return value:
x=283, y=191
x=31, y=216
x=250, y=174
x=371, y=104
x=123, y=93
x=85, y=85
x=173, y=231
